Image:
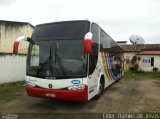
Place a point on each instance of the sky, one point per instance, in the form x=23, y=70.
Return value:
x=119, y=18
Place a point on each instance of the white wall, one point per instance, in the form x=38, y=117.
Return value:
x=142, y=67
x=150, y=68
x=12, y=68
x=128, y=55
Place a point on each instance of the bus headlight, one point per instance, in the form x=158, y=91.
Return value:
x=30, y=84
x=77, y=87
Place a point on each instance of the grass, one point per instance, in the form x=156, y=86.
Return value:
x=142, y=75
x=11, y=91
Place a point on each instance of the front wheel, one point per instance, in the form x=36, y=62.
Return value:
x=101, y=90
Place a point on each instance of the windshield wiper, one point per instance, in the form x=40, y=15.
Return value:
x=60, y=63
x=49, y=60
x=57, y=59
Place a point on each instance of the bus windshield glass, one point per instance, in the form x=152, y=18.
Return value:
x=57, y=50
x=57, y=58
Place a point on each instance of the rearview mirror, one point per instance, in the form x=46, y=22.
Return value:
x=17, y=41
x=88, y=43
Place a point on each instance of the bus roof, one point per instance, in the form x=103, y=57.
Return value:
x=58, y=22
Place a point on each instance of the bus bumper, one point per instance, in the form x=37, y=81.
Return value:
x=69, y=95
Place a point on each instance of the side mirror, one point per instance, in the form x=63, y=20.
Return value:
x=88, y=43
x=17, y=41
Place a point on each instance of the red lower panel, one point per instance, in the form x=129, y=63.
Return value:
x=69, y=95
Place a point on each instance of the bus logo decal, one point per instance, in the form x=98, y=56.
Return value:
x=91, y=89
x=75, y=82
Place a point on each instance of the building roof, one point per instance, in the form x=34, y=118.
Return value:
x=16, y=22
x=152, y=52
x=140, y=47
x=121, y=41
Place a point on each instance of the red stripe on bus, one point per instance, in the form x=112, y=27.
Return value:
x=69, y=95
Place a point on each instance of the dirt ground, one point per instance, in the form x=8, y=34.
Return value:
x=125, y=96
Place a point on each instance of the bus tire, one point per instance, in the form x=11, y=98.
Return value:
x=119, y=77
x=117, y=80
x=101, y=89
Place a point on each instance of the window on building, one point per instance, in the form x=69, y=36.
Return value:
x=148, y=61
x=152, y=61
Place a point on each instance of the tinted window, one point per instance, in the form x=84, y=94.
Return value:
x=113, y=52
x=94, y=56
x=105, y=41
x=94, y=31
x=63, y=58
x=61, y=29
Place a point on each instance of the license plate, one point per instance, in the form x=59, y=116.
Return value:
x=50, y=95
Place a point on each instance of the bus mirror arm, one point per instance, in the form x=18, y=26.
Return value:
x=17, y=41
x=29, y=40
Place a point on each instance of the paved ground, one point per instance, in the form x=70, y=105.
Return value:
x=122, y=97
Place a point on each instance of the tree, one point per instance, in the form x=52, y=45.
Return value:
x=135, y=62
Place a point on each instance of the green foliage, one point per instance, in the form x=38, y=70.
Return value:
x=11, y=91
x=140, y=71
x=155, y=69
x=141, y=75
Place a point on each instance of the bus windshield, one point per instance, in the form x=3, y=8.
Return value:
x=56, y=58
x=57, y=50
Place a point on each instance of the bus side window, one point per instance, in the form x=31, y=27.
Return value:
x=93, y=58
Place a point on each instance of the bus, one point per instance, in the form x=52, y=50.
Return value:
x=71, y=60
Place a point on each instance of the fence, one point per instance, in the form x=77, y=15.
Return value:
x=12, y=68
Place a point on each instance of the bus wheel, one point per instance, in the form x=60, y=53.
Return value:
x=101, y=90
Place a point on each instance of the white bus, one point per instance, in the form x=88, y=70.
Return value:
x=71, y=60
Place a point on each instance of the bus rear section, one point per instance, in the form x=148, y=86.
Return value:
x=71, y=60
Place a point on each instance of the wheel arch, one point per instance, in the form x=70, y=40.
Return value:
x=101, y=79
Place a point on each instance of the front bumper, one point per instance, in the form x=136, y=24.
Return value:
x=69, y=95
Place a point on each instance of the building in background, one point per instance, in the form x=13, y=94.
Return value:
x=122, y=42
x=9, y=31
x=148, y=56
x=13, y=67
